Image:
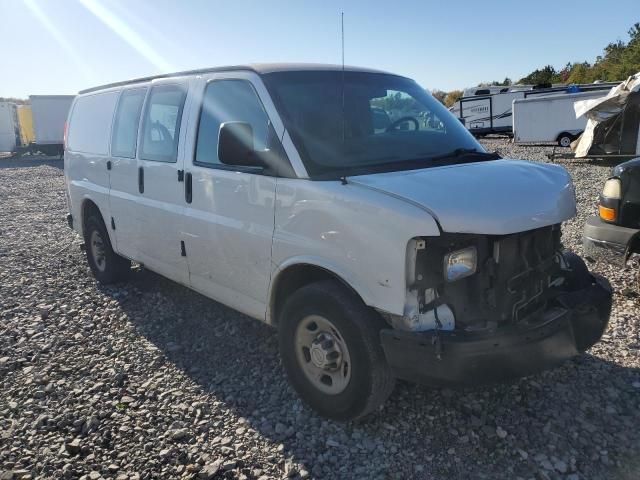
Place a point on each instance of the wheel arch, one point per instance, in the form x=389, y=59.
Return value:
x=88, y=207
x=288, y=279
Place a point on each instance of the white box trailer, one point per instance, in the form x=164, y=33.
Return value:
x=550, y=118
x=49, y=116
x=8, y=127
x=483, y=114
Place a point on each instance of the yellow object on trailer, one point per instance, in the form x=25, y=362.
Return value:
x=25, y=124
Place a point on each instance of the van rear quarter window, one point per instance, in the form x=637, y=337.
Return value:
x=90, y=124
x=125, y=128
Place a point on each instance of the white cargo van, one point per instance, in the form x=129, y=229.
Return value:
x=379, y=248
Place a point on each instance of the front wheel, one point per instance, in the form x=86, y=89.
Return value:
x=331, y=351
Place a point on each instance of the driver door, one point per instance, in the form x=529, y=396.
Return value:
x=160, y=189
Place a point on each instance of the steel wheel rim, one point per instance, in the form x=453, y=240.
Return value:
x=96, y=245
x=322, y=354
x=565, y=142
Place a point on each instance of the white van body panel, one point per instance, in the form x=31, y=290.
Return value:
x=228, y=226
x=124, y=196
x=543, y=119
x=87, y=153
x=358, y=234
x=161, y=207
x=492, y=198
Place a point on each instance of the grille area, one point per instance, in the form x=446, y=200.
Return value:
x=512, y=282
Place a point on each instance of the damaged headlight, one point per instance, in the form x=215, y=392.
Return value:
x=460, y=264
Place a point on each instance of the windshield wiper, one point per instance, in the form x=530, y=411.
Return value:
x=466, y=152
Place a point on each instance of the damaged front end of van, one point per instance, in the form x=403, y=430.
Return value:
x=482, y=308
x=494, y=308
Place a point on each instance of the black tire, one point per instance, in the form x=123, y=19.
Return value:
x=371, y=380
x=565, y=139
x=112, y=267
x=578, y=276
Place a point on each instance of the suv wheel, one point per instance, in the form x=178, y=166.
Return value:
x=106, y=265
x=330, y=348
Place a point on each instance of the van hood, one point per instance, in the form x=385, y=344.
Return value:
x=493, y=197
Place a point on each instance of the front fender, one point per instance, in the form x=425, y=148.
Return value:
x=359, y=235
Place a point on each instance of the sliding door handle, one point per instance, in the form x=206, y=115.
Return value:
x=141, y=179
x=188, y=187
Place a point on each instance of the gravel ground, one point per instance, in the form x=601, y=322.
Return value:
x=150, y=380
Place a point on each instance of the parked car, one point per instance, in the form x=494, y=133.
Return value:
x=402, y=251
x=614, y=234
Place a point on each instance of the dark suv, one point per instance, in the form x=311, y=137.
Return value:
x=614, y=234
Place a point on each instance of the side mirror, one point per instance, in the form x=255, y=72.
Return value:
x=235, y=145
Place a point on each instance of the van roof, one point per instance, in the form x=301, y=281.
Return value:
x=259, y=68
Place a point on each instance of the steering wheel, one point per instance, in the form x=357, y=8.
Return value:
x=393, y=125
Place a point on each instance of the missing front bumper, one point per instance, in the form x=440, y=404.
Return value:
x=470, y=358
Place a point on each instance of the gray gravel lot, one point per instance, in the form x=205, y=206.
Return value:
x=150, y=380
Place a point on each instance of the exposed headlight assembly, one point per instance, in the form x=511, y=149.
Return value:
x=460, y=264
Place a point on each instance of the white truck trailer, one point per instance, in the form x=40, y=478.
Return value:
x=49, y=116
x=483, y=114
x=550, y=118
x=8, y=127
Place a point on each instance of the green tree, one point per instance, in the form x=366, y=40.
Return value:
x=438, y=95
x=618, y=61
x=545, y=74
x=452, y=97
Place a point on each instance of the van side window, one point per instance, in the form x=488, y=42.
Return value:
x=90, y=123
x=125, y=129
x=225, y=101
x=161, y=126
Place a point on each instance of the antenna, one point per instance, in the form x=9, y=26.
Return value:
x=342, y=28
x=343, y=112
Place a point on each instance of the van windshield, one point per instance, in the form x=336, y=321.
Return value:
x=353, y=123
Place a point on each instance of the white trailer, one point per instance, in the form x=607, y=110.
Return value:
x=550, y=118
x=49, y=116
x=8, y=127
x=483, y=114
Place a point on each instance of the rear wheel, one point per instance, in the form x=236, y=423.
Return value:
x=106, y=265
x=330, y=348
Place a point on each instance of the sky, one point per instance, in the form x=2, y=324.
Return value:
x=63, y=46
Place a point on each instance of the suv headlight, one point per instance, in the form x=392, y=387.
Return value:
x=609, y=199
x=460, y=264
x=612, y=189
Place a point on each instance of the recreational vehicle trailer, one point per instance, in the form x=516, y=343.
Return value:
x=484, y=114
x=493, y=89
x=550, y=118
